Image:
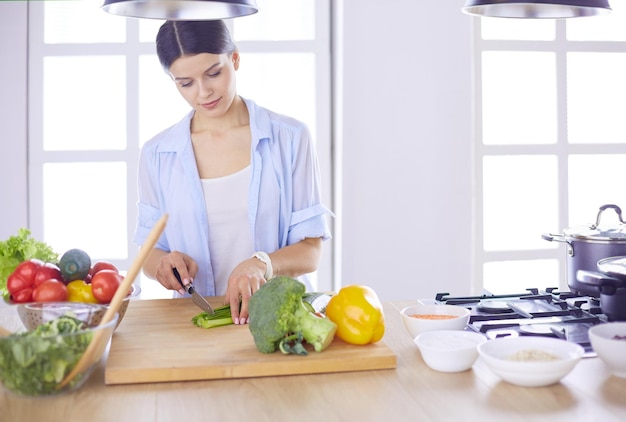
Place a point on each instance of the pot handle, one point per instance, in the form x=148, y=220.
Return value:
x=617, y=209
x=554, y=237
x=605, y=284
x=559, y=238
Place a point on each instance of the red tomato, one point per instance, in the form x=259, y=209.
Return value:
x=102, y=265
x=21, y=291
x=104, y=284
x=27, y=269
x=50, y=291
x=23, y=296
x=47, y=271
x=15, y=283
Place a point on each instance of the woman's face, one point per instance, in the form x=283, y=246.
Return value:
x=207, y=81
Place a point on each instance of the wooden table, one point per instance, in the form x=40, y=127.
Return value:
x=412, y=391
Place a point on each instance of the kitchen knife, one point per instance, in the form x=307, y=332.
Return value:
x=195, y=296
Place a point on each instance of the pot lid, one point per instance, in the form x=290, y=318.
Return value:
x=615, y=265
x=616, y=233
x=601, y=231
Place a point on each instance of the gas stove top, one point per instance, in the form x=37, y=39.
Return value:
x=536, y=312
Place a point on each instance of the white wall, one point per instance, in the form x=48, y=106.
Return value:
x=13, y=130
x=405, y=212
x=406, y=127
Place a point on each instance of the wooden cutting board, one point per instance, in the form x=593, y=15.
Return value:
x=157, y=342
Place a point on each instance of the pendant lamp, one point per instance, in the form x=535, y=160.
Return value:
x=536, y=9
x=181, y=9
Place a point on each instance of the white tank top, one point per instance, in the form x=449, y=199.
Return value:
x=230, y=236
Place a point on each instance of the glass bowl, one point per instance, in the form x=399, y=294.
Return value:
x=34, y=362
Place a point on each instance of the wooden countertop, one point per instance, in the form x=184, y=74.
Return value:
x=412, y=391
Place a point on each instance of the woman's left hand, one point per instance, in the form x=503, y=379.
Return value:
x=292, y=261
x=246, y=278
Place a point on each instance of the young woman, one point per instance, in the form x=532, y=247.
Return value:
x=240, y=183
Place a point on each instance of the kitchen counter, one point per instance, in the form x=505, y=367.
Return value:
x=411, y=391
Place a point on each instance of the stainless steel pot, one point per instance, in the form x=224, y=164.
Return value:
x=610, y=283
x=586, y=245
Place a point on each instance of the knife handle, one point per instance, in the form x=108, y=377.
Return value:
x=189, y=288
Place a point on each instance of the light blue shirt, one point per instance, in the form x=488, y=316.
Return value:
x=284, y=199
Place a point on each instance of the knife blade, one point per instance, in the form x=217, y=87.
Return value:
x=197, y=298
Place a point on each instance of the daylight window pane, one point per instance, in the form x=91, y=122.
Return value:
x=595, y=180
x=148, y=29
x=520, y=201
x=284, y=83
x=596, y=89
x=609, y=27
x=81, y=22
x=160, y=103
x=519, y=98
x=505, y=277
x=84, y=103
x=84, y=206
x=278, y=20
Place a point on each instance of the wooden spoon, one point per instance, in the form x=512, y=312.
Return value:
x=96, y=346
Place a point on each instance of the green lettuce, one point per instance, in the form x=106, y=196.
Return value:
x=17, y=249
x=34, y=362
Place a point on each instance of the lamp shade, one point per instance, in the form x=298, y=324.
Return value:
x=536, y=9
x=181, y=9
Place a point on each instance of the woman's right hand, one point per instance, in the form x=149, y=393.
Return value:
x=160, y=265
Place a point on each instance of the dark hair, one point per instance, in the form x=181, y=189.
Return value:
x=182, y=38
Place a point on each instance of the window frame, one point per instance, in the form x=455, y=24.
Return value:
x=561, y=149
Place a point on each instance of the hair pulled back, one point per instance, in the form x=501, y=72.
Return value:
x=187, y=38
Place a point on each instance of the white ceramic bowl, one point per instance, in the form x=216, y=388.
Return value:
x=609, y=342
x=449, y=350
x=417, y=325
x=530, y=361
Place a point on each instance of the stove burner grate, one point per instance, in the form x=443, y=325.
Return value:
x=535, y=312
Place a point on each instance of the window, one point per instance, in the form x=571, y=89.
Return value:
x=550, y=140
x=97, y=93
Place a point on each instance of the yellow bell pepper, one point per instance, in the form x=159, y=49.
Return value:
x=358, y=313
x=79, y=291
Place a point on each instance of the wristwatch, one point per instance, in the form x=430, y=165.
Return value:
x=263, y=257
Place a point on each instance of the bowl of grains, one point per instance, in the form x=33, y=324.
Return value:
x=530, y=361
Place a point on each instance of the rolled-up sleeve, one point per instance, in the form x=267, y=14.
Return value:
x=309, y=215
x=310, y=222
x=147, y=216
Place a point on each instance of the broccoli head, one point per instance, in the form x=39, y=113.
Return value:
x=280, y=320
